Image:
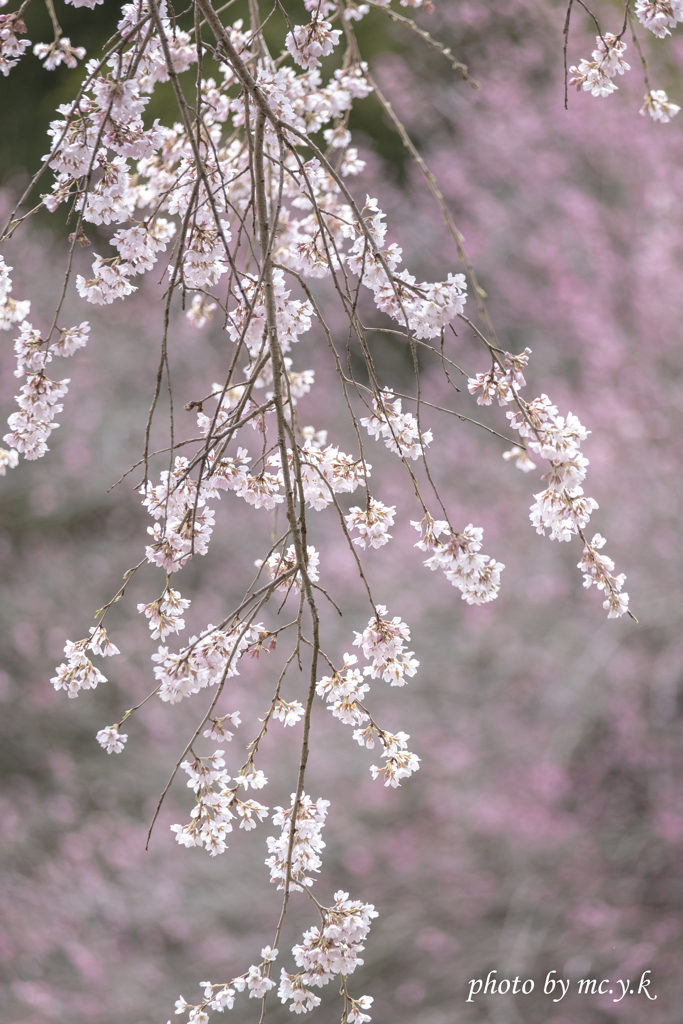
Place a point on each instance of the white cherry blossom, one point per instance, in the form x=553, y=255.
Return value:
x=111, y=740
x=658, y=106
x=372, y=523
x=659, y=16
x=597, y=76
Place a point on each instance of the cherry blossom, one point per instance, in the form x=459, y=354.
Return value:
x=597, y=76
x=165, y=613
x=288, y=713
x=307, y=43
x=109, y=282
x=658, y=106
x=659, y=15
x=11, y=48
x=598, y=571
x=53, y=54
x=399, y=430
x=77, y=672
x=372, y=523
x=111, y=740
x=284, y=565
x=8, y=459
x=11, y=310
x=204, y=661
x=305, y=856
x=218, y=731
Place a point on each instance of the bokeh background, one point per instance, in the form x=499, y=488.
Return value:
x=544, y=829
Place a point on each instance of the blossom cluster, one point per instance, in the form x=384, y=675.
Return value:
x=329, y=951
x=425, y=308
x=597, y=75
x=399, y=430
x=501, y=383
x=562, y=509
x=372, y=523
x=459, y=555
x=218, y=730
x=205, y=661
x=11, y=48
x=165, y=614
x=307, y=43
x=181, y=503
x=345, y=692
x=324, y=471
x=112, y=739
x=187, y=525
x=282, y=566
x=38, y=399
x=325, y=953
x=383, y=643
x=256, y=980
x=218, y=803
x=11, y=310
x=58, y=52
x=598, y=570
x=659, y=16
x=78, y=672
x=306, y=846
x=106, y=130
x=658, y=105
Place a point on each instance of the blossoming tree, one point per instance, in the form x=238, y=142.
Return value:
x=245, y=205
